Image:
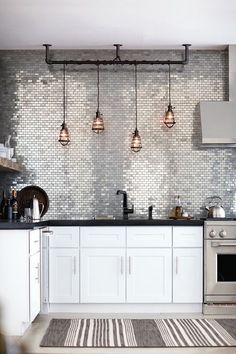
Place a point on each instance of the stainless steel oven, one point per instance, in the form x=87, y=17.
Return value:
x=220, y=262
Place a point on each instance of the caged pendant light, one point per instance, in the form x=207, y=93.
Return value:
x=136, y=144
x=169, y=118
x=64, y=136
x=98, y=124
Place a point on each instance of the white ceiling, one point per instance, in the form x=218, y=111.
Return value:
x=137, y=24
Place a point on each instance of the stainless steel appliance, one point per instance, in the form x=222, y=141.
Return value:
x=215, y=208
x=220, y=262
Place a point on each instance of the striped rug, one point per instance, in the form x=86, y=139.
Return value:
x=140, y=333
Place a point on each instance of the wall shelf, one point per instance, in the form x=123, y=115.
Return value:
x=9, y=166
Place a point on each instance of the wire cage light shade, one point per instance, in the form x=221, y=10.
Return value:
x=136, y=144
x=64, y=136
x=169, y=118
x=98, y=123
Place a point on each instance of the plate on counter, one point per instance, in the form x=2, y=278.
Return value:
x=25, y=197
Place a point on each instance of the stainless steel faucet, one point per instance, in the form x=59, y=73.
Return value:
x=126, y=210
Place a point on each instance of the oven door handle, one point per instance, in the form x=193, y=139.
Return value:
x=223, y=244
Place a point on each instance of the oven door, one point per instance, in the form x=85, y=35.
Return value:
x=220, y=271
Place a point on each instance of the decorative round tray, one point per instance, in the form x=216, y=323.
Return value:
x=25, y=197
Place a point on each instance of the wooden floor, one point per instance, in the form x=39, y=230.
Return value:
x=34, y=334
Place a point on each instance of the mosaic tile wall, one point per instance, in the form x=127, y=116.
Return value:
x=81, y=180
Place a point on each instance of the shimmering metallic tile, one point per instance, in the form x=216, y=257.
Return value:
x=81, y=180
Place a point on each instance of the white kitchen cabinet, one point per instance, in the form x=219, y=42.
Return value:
x=103, y=275
x=125, y=265
x=187, y=264
x=34, y=285
x=63, y=265
x=187, y=275
x=149, y=275
x=63, y=275
x=19, y=288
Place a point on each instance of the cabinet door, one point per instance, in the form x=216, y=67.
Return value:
x=14, y=280
x=149, y=275
x=187, y=275
x=103, y=275
x=34, y=285
x=63, y=275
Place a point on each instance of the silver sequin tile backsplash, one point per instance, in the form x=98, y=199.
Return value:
x=81, y=180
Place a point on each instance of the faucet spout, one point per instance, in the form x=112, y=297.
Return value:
x=126, y=210
x=124, y=197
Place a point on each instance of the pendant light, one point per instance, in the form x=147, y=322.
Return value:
x=169, y=119
x=98, y=124
x=64, y=137
x=136, y=144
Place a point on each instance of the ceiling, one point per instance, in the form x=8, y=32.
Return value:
x=137, y=24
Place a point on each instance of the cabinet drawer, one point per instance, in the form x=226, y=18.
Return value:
x=64, y=237
x=187, y=236
x=149, y=236
x=102, y=236
x=34, y=241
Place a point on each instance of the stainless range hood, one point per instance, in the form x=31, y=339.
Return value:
x=218, y=119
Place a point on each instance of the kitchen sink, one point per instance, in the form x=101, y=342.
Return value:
x=137, y=217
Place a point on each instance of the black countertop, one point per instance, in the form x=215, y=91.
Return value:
x=18, y=225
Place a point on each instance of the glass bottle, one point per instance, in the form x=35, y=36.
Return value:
x=3, y=206
x=14, y=204
x=9, y=209
x=178, y=208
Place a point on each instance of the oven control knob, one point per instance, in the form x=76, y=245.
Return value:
x=222, y=233
x=212, y=233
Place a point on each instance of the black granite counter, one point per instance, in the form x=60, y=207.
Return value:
x=6, y=225
x=18, y=225
x=131, y=222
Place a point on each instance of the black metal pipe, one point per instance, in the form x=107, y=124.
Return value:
x=119, y=62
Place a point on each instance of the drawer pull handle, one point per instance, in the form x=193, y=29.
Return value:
x=130, y=265
x=121, y=265
x=176, y=265
x=38, y=272
x=36, y=241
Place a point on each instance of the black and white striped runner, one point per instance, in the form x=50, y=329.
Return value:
x=140, y=333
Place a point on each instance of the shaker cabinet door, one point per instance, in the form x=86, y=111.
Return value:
x=149, y=275
x=34, y=286
x=103, y=275
x=63, y=275
x=187, y=275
